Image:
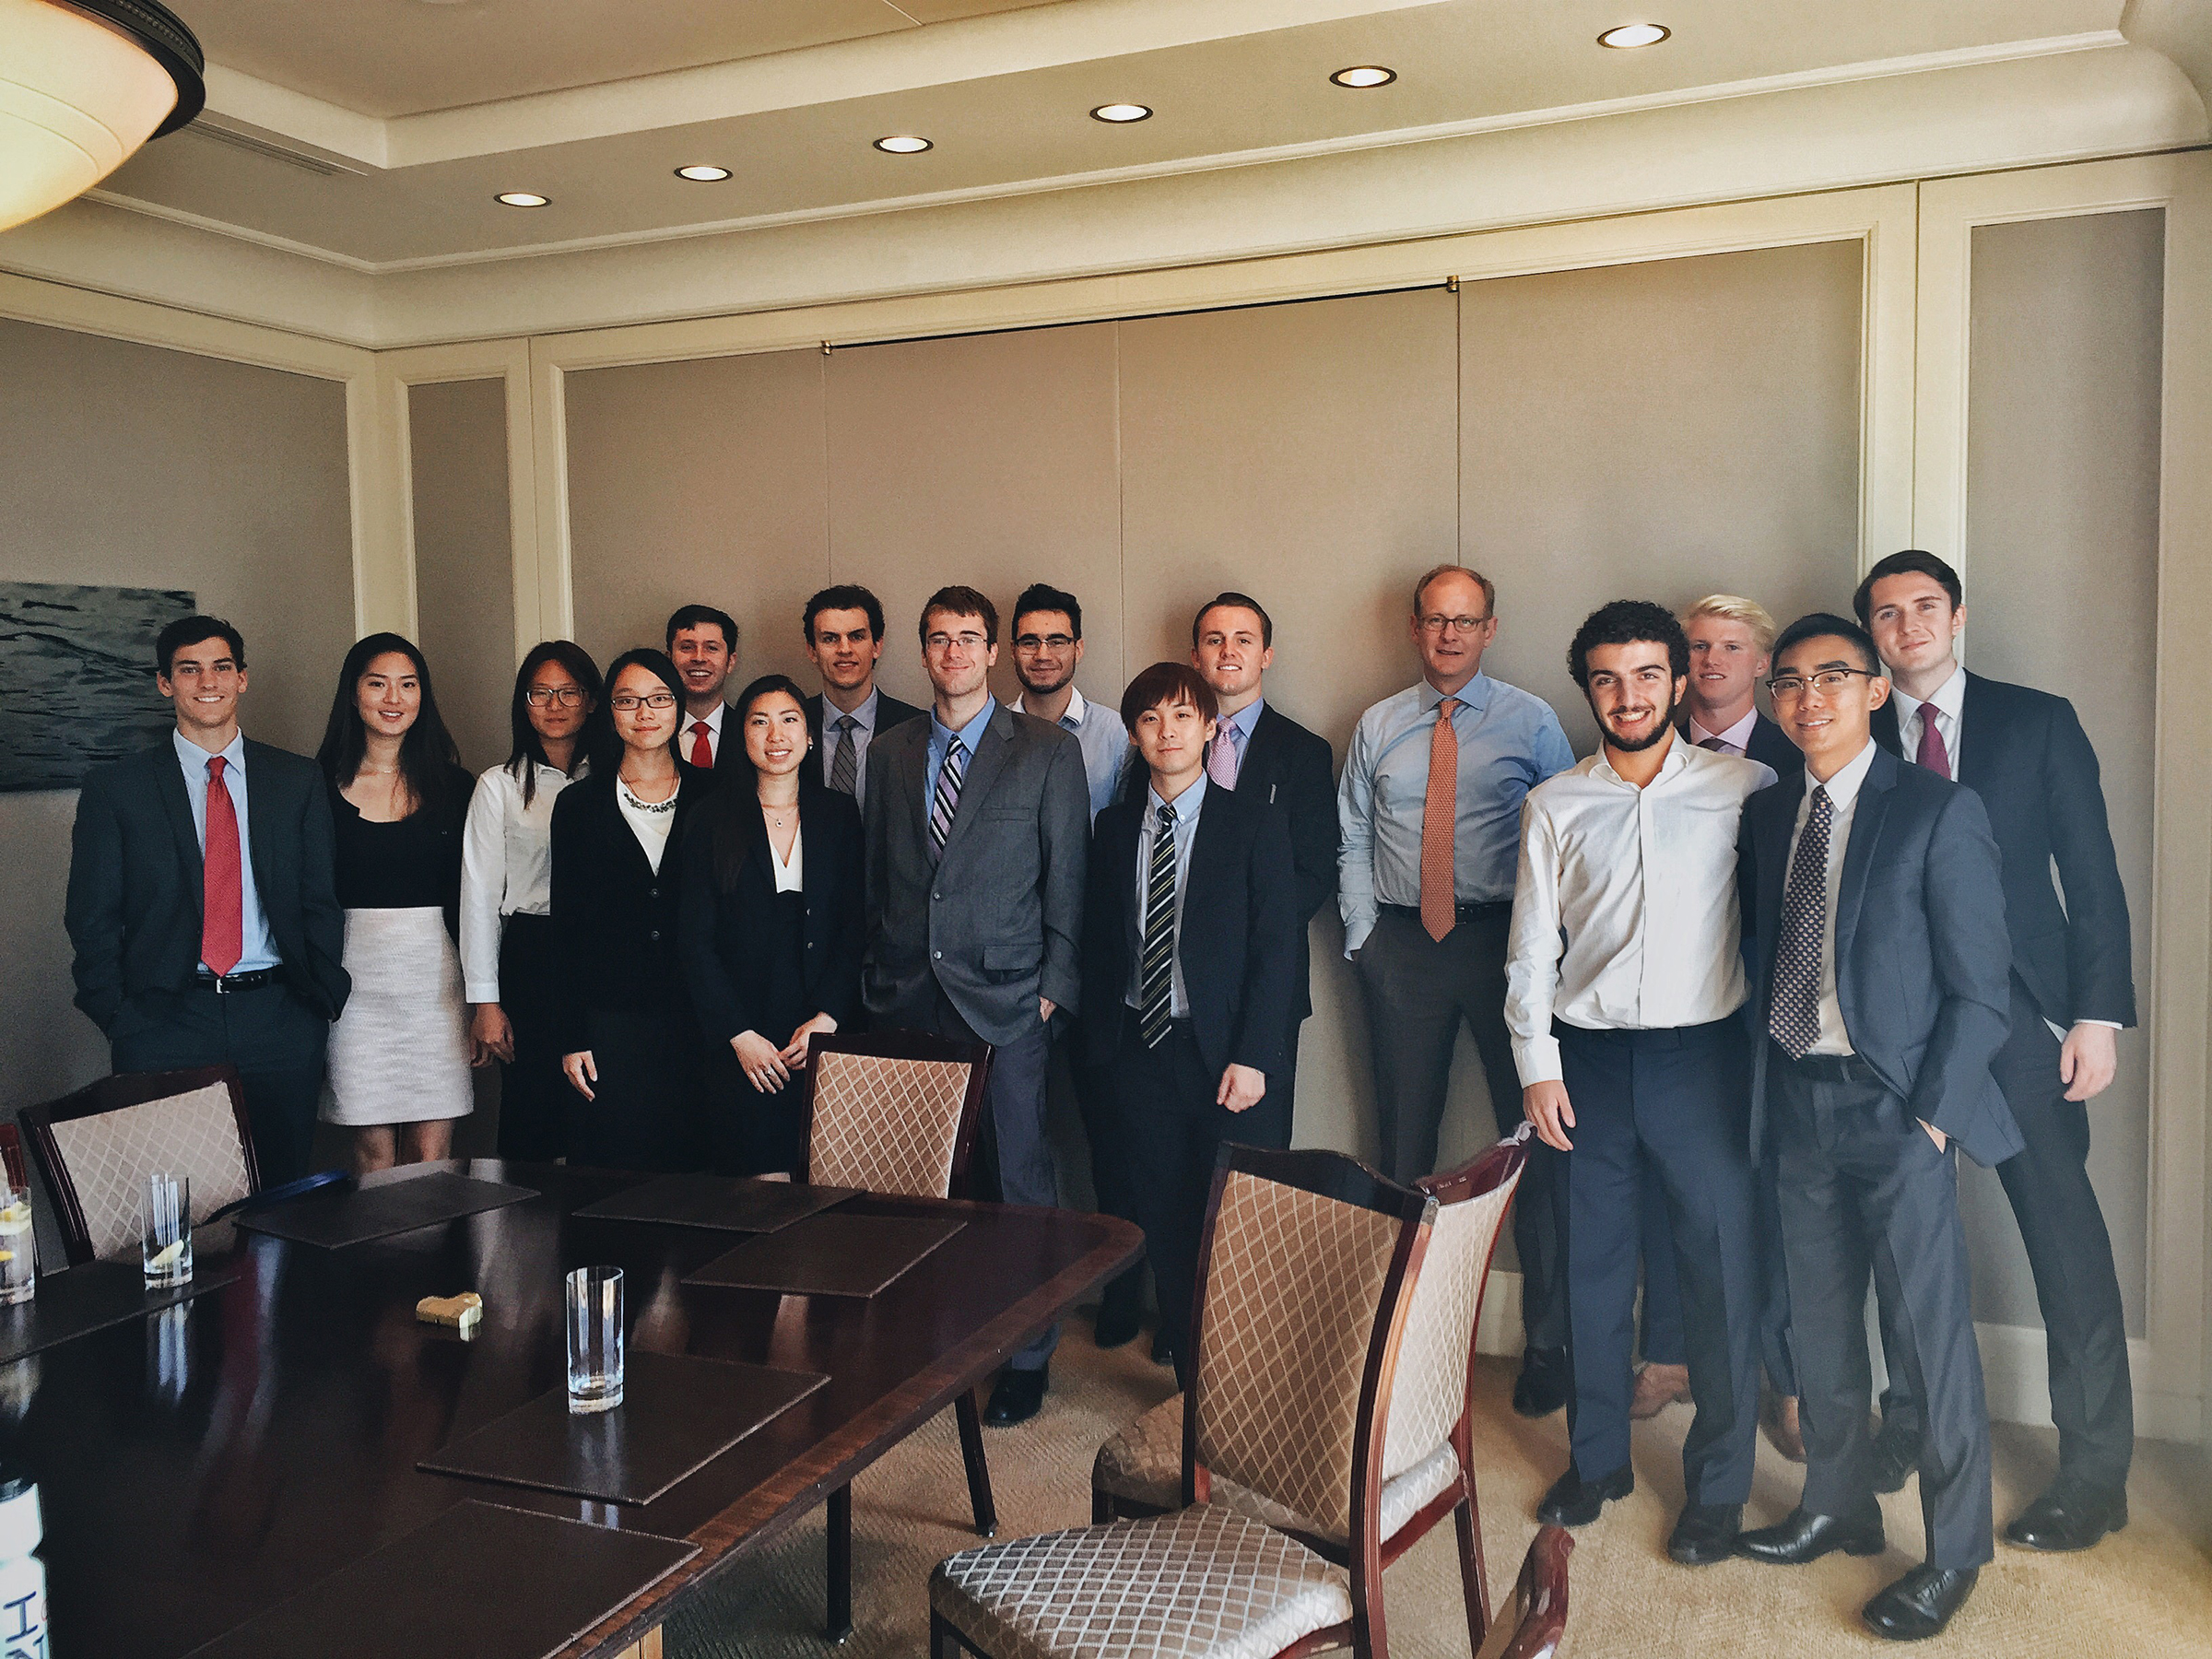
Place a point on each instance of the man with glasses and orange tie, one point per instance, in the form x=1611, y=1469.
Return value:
x=202, y=902
x=1429, y=810
x=703, y=643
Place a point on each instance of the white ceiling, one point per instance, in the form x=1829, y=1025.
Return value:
x=435, y=107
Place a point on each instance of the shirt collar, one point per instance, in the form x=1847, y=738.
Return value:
x=1739, y=734
x=970, y=734
x=1950, y=698
x=1187, y=803
x=194, y=759
x=1475, y=694
x=1844, y=788
x=712, y=719
x=862, y=717
x=1247, y=717
x=1677, y=758
x=1072, y=718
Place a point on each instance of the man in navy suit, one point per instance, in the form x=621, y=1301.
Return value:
x=1880, y=986
x=2072, y=992
x=843, y=627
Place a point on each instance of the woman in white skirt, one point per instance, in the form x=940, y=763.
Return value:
x=399, y=1053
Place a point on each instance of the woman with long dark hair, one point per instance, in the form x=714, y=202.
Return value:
x=399, y=1053
x=508, y=963
x=773, y=930
x=630, y=1046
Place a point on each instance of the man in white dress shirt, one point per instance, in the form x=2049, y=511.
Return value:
x=1048, y=648
x=1624, y=980
x=703, y=643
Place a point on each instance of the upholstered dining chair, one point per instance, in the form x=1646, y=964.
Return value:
x=97, y=1147
x=896, y=1112
x=1304, y=1290
x=1139, y=1471
x=1535, y=1620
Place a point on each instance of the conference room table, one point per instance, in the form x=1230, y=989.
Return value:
x=200, y=1465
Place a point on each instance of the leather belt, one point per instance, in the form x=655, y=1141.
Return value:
x=1460, y=913
x=222, y=984
x=1827, y=1068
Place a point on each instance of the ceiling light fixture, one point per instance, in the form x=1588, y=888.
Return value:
x=1360, y=76
x=702, y=175
x=1629, y=35
x=85, y=84
x=1121, y=113
x=523, y=198
x=903, y=144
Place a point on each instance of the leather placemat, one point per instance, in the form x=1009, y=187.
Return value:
x=77, y=1301
x=482, y=1580
x=724, y=1202
x=830, y=1255
x=354, y=1215
x=677, y=1412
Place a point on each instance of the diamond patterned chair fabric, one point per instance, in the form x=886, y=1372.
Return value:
x=885, y=1124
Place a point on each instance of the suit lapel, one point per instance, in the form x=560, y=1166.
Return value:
x=1866, y=817
x=262, y=809
x=1257, y=751
x=1777, y=818
x=176, y=807
x=1975, y=769
x=989, y=761
x=1210, y=853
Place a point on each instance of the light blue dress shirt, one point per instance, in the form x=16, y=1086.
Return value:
x=1187, y=805
x=1104, y=740
x=257, y=948
x=940, y=739
x=1510, y=741
x=864, y=733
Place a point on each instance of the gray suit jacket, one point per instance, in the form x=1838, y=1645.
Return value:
x=996, y=922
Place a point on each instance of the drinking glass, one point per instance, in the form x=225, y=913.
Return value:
x=18, y=1253
x=594, y=1305
x=167, y=1243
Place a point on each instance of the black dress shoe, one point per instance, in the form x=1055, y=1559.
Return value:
x=1704, y=1533
x=1919, y=1605
x=1896, y=1457
x=1015, y=1399
x=1121, y=1319
x=1543, y=1385
x=2070, y=1515
x=1806, y=1536
x=1164, y=1351
x=1574, y=1502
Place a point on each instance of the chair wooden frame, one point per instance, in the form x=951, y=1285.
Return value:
x=120, y=1093
x=837, y=1509
x=1540, y=1594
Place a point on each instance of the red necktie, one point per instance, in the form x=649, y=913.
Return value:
x=702, y=752
x=1933, y=755
x=223, y=906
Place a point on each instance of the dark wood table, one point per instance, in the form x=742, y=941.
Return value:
x=199, y=1467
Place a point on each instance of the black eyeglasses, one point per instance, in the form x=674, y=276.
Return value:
x=652, y=699
x=1827, y=682
x=539, y=697
x=1044, y=641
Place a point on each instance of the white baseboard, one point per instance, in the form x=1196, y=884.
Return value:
x=2015, y=1369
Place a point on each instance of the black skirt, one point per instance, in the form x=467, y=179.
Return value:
x=756, y=1134
x=645, y=1113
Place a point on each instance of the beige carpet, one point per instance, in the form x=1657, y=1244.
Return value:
x=2146, y=1591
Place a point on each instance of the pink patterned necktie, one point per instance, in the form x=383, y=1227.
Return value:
x=1226, y=755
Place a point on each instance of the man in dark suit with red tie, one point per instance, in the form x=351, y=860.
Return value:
x=202, y=903
x=2073, y=991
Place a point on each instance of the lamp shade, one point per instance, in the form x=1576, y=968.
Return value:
x=82, y=85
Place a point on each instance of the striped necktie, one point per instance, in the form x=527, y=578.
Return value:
x=845, y=764
x=1156, y=967
x=950, y=776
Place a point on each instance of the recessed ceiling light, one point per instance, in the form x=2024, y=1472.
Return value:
x=1364, y=74
x=1121, y=113
x=1630, y=35
x=703, y=175
x=903, y=144
x=521, y=198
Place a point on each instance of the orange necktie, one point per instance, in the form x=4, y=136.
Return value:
x=1440, y=814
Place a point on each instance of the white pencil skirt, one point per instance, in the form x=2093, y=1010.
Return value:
x=399, y=1052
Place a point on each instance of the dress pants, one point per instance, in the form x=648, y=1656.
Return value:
x=276, y=1041
x=1177, y=1130
x=1418, y=992
x=2092, y=1396
x=1098, y=1101
x=534, y=1095
x=1016, y=1157
x=1669, y=1104
x=1863, y=1186
x=1663, y=1291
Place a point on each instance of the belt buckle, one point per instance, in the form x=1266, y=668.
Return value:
x=222, y=986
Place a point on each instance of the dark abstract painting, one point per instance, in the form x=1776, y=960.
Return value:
x=77, y=677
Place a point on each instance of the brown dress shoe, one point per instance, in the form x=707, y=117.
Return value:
x=1783, y=1426
x=1657, y=1387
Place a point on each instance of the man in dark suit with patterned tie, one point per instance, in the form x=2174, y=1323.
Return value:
x=2073, y=990
x=843, y=627
x=202, y=902
x=1881, y=989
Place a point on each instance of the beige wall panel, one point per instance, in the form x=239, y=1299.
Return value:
x=2060, y=571
x=129, y=466
x=698, y=482
x=464, y=557
x=1305, y=455
x=1659, y=431
x=988, y=460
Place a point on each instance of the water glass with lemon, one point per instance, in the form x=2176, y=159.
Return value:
x=19, y=1256
x=167, y=1237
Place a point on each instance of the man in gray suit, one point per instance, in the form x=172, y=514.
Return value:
x=978, y=822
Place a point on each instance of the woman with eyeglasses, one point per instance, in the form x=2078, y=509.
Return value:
x=399, y=1052
x=772, y=931
x=630, y=1046
x=508, y=963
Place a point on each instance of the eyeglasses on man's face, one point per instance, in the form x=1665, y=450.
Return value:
x=1052, y=642
x=545, y=696
x=1827, y=682
x=940, y=644
x=1461, y=626
x=626, y=703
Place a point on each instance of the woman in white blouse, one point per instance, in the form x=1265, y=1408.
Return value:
x=507, y=958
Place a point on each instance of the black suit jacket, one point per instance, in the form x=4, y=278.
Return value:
x=2024, y=752
x=889, y=712
x=1291, y=768
x=615, y=918
x=135, y=876
x=1770, y=745
x=1921, y=953
x=1235, y=944
x=728, y=974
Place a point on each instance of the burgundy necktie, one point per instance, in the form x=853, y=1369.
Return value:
x=1719, y=745
x=703, y=751
x=223, y=903
x=1933, y=755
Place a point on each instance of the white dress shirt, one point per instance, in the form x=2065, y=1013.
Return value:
x=712, y=722
x=789, y=878
x=1186, y=807
x=506, y=868
x=1944, y=707
x=1625, y=915
x=1737, y=737
x=1843, y=799
x=650, y=821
